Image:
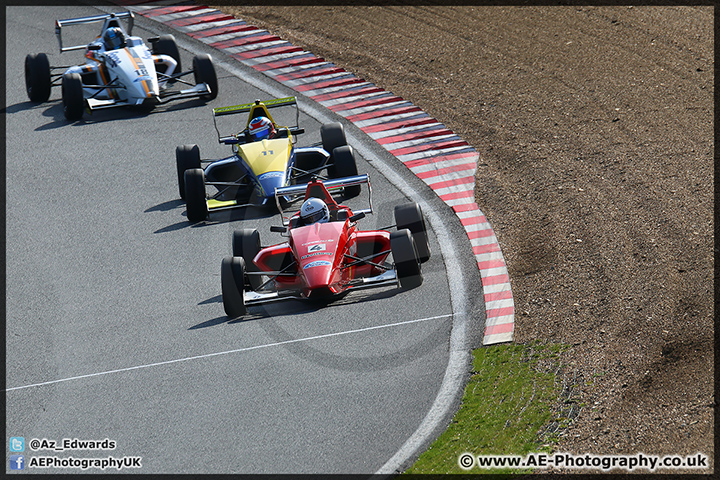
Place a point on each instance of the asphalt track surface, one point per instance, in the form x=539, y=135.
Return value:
x=115, y=327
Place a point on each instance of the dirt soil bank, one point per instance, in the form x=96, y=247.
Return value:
x=595, y=132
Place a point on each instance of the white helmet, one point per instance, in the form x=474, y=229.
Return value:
x=314, y=210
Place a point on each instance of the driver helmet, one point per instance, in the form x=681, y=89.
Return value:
x=314, y=210
x=261, y=128
x=113, y=38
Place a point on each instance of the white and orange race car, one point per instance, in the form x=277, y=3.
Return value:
x=120, y=70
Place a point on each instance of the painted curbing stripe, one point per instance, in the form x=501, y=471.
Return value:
x=484, y=244
x=475, y=234
x=305, y=71
x=495, y=279
x=266, y=52
x=499, y=295
x=504, y=327
x=366, y=101
x=348, y=80
x=448, y=173
x=409, y=108
x=313, y=80
x=252, y=62
x=336, y=90
x=499, y=304
x=450, y=189
x=489, y=260
x=139, y=5
x=388, y=126
x=297, y=69
x=443, y=163
x=401, y=130
x=286, y=62
x=459, y=155
x=430, y=147
x=455, y=197
x=183, y=22
x=469, y=206
x=353, y=97
x=430, y=141
x=495, y=272
x=211, y=29
x=159, y=13
x=258, y=49
x=177, y=16
x=416, y=134
x=487, y=263
x=238, y=39
x=499, y=338
x=501, y=312
x=477, y=219
x=481, y=247
x=501, y=324
x=499, y=288
x=435, y=153
x=245, y=37
x=339, y=95
x=388, y=120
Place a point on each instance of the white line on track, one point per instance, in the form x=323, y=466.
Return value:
x=227, y=352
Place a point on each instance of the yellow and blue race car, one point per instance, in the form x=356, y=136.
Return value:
x=264, y=158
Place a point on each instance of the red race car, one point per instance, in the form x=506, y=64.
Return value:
x=325, y=254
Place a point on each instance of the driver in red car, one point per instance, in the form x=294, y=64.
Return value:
x=314, y=210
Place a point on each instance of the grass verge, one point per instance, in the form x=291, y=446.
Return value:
x=512, y=395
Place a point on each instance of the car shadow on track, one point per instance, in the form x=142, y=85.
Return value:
x=292, y=307
x=166, y=206
x=54, y=111
x=218, y=218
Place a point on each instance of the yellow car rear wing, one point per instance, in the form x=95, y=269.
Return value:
x=257, y=109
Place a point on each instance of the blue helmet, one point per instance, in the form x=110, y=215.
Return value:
x=113, y=38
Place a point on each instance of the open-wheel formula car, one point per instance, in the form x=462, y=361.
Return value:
x=264, y=157
x=326, y=254
x=119, y=70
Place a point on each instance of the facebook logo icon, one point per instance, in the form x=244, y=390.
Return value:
x=17, y=462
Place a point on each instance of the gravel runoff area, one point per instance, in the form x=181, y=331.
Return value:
x=595, y=132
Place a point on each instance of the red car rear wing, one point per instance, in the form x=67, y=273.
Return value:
x=321, y=189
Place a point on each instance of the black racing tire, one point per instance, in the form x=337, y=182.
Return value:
x=72, y=96
x=333, y=136
x=307, y=162
x=410, y=216
x=186, y=157
x=195, y=199
x=165, y=45
x=37, y=77
x=232, y=275
x=407, y=263
x=204, y=71
x=246, y=244
x=345, y=166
